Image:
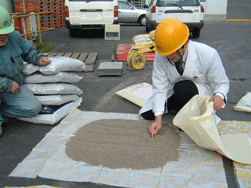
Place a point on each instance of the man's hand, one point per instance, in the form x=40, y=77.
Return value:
x=44, y=61
x=15, y=86
x=218, y=102
x=156, y=126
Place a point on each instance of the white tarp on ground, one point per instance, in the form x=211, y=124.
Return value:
x=196, y=167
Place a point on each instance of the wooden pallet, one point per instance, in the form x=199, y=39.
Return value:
x=89, y=58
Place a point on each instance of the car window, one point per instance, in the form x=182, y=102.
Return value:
x=151, y=3
x=123, y=5
x=177, y=3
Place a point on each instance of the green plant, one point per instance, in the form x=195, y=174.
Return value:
x=45, y=47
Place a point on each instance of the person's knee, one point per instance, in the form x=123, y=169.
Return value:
x=149, y=115
x=33, y=109
x=185, y=87
x=184, y=90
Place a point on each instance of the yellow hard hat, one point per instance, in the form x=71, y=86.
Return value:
x=170, y=35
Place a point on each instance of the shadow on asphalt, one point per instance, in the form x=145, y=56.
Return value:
x=99, y=33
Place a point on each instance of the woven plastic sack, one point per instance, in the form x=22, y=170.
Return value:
x=30, y=68
x=140, y=37
x=58, y=64
x=244, y=104
x=143, y=43
x=54, y=89
x=198, y=112
x=56, y=100
x=61, y=64
x=66, y=77
x=197, y=120
x=151, y=35
x=142, y=49
x=54, y=118
x=137, y=94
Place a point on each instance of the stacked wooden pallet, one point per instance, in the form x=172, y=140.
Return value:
x=54, y=20
x=89, y=58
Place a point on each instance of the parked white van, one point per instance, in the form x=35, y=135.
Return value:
x=90, y=14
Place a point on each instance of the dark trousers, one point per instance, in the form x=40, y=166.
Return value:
x=183, y=91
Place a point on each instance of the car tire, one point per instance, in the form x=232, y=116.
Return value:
x=147, y=28
x=73, y=32
x=142, y=20
x=196, y=33
x=151, y=27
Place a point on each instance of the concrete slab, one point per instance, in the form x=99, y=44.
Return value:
x=110, y=69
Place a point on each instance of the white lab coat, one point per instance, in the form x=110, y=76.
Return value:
x=203, y=66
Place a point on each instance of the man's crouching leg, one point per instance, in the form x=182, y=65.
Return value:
x=148, y=115
x=23, y=104
x=184, y=90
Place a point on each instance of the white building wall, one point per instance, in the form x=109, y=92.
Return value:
x=215, y=6
x=215, y=10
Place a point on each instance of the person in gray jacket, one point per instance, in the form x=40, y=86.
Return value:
x=16, y=100
x=182, y=69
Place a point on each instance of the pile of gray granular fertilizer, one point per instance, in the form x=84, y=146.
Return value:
x=118, y=143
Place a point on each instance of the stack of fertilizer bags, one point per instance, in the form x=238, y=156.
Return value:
x=53, y=85
x=143, y=43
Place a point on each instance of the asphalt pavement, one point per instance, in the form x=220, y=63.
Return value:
x=231, y=39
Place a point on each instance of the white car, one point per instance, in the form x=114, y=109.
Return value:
x=90, y=14
x=131, y=13
x=190, y=12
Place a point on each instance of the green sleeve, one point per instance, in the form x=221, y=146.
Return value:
x=30, y=54
x=5, y=84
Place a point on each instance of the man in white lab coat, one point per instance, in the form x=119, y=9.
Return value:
x=182, y=69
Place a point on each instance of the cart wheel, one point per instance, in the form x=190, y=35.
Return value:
x=138, y=60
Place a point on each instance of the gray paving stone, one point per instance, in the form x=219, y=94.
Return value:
x=110, y=69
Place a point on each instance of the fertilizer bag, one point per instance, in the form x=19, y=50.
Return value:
x=62, y=64
x=244, y=103
x=54, y=117
x=197, y=119
x=63, y=77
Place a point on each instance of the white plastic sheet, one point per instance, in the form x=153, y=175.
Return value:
x=196, y=167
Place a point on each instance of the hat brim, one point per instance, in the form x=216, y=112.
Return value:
x=7, y=30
